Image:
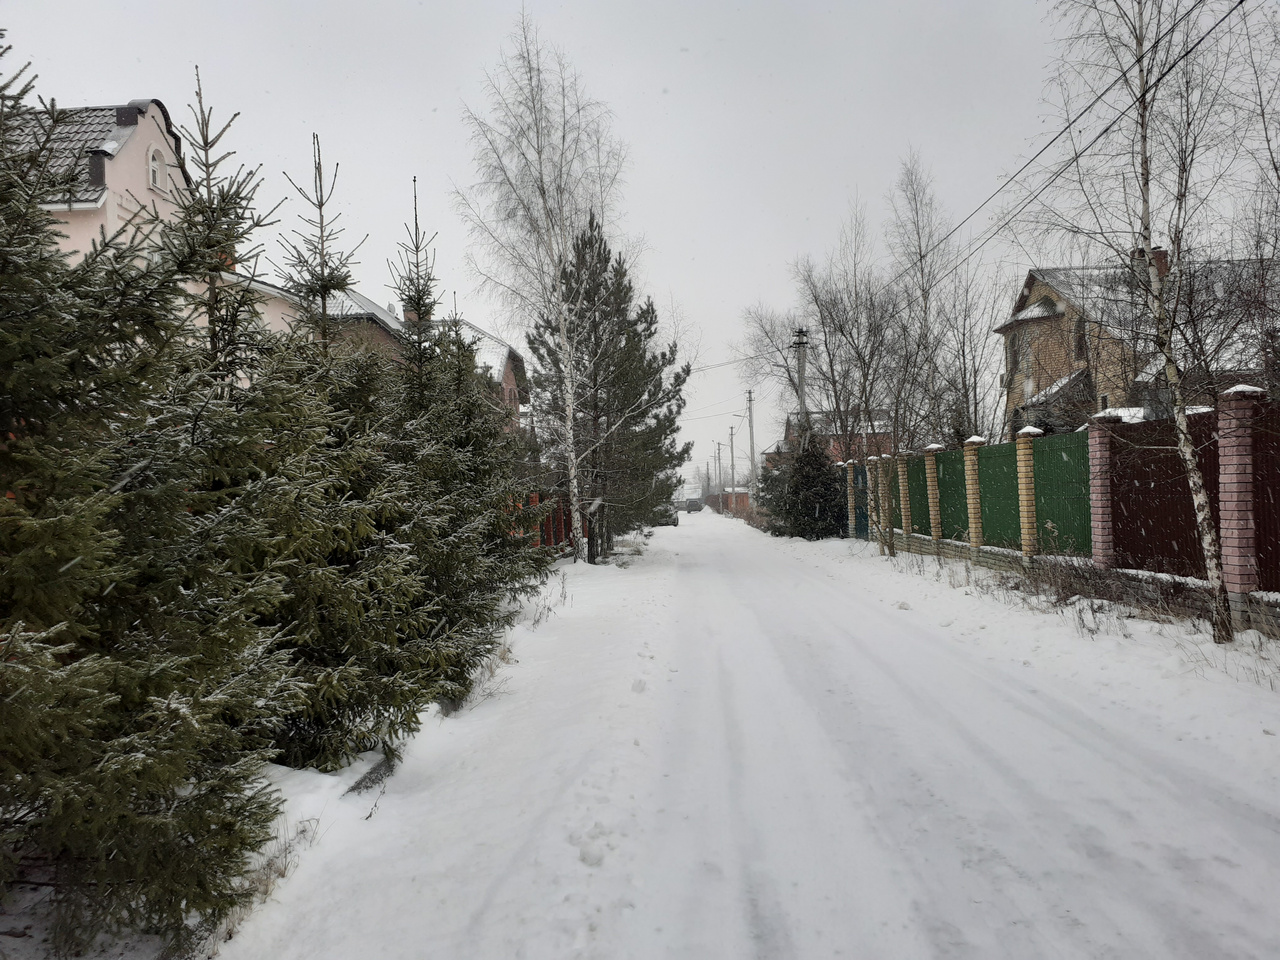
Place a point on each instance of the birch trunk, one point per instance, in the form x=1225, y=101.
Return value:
x=1163, y=322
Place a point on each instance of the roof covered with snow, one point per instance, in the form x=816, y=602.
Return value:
x=492, y=352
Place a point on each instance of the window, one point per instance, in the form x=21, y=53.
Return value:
x=1014, y=352
x=156, y=170
x=1082, y=340
x=1104, y=401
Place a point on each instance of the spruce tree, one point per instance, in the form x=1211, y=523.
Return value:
x=467, y=464
x=137, y=678
x=804, y=495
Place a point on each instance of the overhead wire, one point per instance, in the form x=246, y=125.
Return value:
x=991, y=232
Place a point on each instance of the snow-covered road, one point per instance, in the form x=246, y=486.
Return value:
x=743, y=747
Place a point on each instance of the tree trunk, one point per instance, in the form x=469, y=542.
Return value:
x=1209, y=544
x=570, y=434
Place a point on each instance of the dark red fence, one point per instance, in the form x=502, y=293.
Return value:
x=1154, y=522
x=1266, y=495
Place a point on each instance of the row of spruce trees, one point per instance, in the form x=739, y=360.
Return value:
x=218, y=546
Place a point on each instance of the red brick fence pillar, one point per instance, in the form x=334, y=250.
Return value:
x=1100, y=459
x=1237, y=409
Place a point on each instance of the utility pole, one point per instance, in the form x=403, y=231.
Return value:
x=733, y=468
x=751, y=430
x=801, y=343
x=719, y=476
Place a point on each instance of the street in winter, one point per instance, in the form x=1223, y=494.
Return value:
x=739, y=746
x=515, y=479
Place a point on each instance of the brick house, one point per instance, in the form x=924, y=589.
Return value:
x=362, y=319
x=841, y=445
x=1077, y=341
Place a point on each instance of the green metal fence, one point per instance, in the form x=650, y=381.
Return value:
x=998, y=481
x=896, y=494
x=918, y=489
x=953, y=503
x=1062, y=493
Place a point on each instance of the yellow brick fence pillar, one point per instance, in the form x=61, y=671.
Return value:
x=851, y=500
x=973, y=493
x=886, y=501
x=873, y=500
x=904, y=494
x=1027, y=491
x=935, y=505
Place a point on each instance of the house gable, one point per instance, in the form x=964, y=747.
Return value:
x=117, y=160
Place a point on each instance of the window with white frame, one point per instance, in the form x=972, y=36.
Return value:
x=155, y=170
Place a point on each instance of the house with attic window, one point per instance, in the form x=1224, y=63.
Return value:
x=119, y=160
x=1079, y=340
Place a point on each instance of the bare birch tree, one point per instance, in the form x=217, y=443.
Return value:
x=1158, y=165
x=546, y=159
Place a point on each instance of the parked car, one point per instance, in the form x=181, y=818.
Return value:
x=666, y=516
x=693, y=505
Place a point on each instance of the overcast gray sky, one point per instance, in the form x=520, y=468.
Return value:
x=751, y=127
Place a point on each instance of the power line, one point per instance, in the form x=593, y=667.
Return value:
x=1075, y=157
x=1065, y=130
x=993, y=231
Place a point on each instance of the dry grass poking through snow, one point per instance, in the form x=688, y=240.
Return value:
x=272, y=864
x=1063, y=588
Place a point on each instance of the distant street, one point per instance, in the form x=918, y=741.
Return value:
x=743, y=747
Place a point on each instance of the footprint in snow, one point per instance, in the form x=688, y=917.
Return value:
x=903, y=605
x=637, y=686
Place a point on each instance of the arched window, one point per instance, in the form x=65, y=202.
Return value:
x=157, y=170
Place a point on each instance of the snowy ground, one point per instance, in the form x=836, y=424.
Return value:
x=745, y=747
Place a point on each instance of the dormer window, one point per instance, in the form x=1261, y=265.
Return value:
x=155, y=172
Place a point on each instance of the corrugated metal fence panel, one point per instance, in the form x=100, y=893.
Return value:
x=1062, y=494
x=895, y=511
x=953, y=504
x=1153, y=520
x=998, y=481
x=918, y=488
x=1266, y=495
x=861, y=527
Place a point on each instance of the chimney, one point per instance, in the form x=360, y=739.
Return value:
x=127, y=116
x=97, y=170
x=1158, y=254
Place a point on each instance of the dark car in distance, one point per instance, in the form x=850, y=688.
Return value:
x=693, y=505
x=666, y=516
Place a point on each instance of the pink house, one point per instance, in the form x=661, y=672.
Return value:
x=126, y=158
x=123, y=159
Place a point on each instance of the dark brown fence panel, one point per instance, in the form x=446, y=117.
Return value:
x=1151, y=507
x=1266, y=495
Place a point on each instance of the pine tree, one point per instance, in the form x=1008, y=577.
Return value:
x=630, y=391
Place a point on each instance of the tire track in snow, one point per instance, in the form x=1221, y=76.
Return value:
x=1137, y=879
